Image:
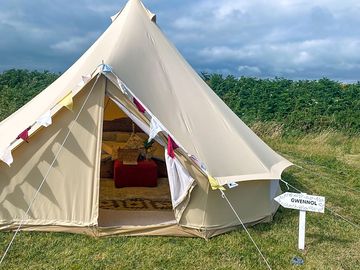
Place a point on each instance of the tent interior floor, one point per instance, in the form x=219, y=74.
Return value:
x=114, y=218
x=135, y=206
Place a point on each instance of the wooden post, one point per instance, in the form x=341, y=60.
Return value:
x=302, y=221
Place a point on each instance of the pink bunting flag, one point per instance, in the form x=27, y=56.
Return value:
x=24, y=135
x=171, y=146
x=139, y=106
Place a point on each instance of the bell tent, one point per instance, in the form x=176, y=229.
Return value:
x=60, y=152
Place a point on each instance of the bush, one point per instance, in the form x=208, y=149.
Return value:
x=17, y=87
x=299, y=106
x=292, y=107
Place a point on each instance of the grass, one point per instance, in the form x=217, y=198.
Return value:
x=331, y=163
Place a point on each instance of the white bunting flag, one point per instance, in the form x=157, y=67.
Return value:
x=6, y=156
x=45, y=120
x=155, y=128
x=203, y=166
x=84, y=80
x=198, y=163
x=121, y=86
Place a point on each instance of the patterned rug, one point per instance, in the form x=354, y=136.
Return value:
x=159, y=193
x=136, y=204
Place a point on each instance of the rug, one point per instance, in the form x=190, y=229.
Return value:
x=136, y=204
x=159, y=193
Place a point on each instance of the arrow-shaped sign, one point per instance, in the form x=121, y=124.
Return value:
x=302, y=201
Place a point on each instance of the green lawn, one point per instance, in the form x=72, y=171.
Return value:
x=331, y=163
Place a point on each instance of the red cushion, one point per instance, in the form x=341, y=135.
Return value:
x=144, y=174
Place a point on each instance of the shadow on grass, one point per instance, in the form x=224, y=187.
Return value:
x=282, y=216
x=317, y=238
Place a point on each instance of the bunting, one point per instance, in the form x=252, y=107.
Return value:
x=45, y=120
x=121, y=85
x=214, y=183
x=84, y=80
x=171, y=146
x=6, y=156
x=155, y=128
x=198, y=163
x=139, y=106
x=67, y=101
x=24, y=135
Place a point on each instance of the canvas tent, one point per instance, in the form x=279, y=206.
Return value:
x=133, y=63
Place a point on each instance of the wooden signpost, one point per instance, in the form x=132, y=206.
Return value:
x=302, y=202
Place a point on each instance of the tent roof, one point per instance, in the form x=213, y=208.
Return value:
x=152, y=68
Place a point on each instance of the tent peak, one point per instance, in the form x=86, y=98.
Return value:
x=140, y=4
x=136, y=5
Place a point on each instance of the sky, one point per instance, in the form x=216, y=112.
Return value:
x=295, y=39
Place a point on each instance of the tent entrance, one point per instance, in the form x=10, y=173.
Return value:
x=121, y=203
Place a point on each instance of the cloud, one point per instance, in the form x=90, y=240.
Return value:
x=294, y=39
x=309, y=57
x=290, y=38
x=223, y=53
x=187, y=23
x=73, y=44
x=103, y=8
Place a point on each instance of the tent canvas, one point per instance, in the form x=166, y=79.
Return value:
x=133, y=63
